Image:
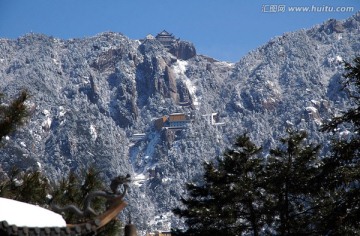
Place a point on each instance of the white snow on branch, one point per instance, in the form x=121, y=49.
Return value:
x=339, y=58
x=313, y=112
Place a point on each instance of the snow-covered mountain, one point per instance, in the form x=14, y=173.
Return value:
x=98, y=101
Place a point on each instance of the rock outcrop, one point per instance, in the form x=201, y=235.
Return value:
x=183, y=50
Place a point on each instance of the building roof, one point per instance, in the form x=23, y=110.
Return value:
x=177, y=117
x=150, y=36
x=165, y=35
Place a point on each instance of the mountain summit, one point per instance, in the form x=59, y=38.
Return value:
x=183, y=50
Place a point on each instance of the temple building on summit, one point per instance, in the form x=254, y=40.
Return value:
x=165, y=38
x=181, y=49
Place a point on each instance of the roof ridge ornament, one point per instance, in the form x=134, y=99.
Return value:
x=110, y=196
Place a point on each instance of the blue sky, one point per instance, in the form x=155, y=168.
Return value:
x=223, y=29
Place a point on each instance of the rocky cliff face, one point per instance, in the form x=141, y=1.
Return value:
x=183, y=50
x=90, y=96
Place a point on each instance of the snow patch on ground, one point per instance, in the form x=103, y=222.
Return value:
x=289, y=123
x=163, y=220
x=315, y=114
x=179, y=69
x=46, y=112
x=275, y=88
x=225, y=63
x=337, y=59
x=166, y=180
x=315, y=102
x=22, y=214
x=139, y=179
x=93, y=132
x=311, y=109
x=146, y=162
x=46, y=123
x=150, y=149
x=62, y=111
x=55, y=61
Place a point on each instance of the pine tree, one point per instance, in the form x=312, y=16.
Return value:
x=230, y=201
x=14, y=114
x=291, y=187
x=245, y=193
x=73, y=190
x=341, y=171
x=29, y=186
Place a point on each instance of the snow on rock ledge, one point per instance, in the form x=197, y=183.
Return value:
x=314, y=114
x=22, y=214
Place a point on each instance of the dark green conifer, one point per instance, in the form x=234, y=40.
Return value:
x=245, y=193
x=341, y=171
x=12, y=115
x=291, y=171
x=29, y=186
x=230, y=200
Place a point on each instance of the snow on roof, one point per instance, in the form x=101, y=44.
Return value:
x=176, y=114
x=22, y=214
